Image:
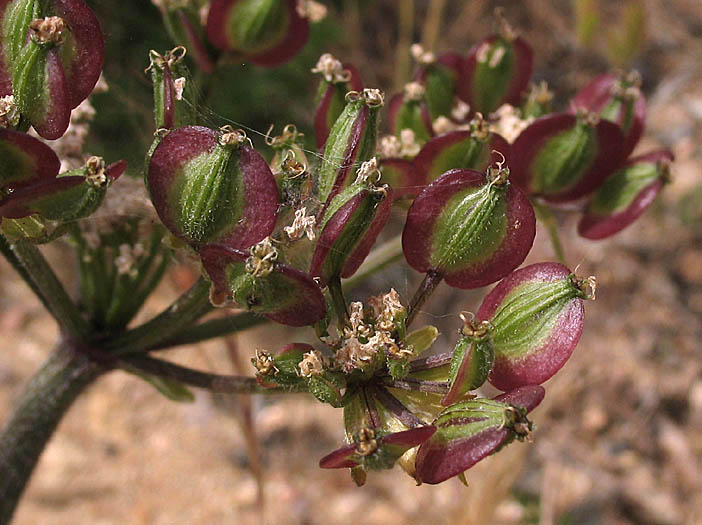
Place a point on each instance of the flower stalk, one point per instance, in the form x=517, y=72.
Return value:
x=426, y=288
x=43, y=281
x=217, y=383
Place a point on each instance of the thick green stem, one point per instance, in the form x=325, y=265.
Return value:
x=222, y=384
x=45, y=400
x=34, y=269
x=187, y=309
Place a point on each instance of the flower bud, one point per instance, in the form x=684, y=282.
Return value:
x=464, y=149
x=563, y=158
x=472, y=430
x=209, y=186
x=174, y=94
x=337, y=80
x=289, y=163
x=282, y=368
x=351, y=142
x=618, y=99
x=496, y=72
x=268, y=32
x=468, y=228
x=257, y=282
x=9, y=112
x=54, y=52
x=538, y=101
x=351, y=224
x=537, y=315
x=625, y=195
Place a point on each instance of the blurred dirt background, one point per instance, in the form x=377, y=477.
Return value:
x=618, y=437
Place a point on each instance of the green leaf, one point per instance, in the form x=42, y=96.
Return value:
x=170, y=388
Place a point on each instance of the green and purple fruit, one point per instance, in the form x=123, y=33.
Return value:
x=52, y=54
x=174, y=93
x=469, y=228
x=496, y=71
x=616, y=98
x=275, y=290
x=464, y=149
x=625, y=195
x=537, y=316
x=350, y=143
x=337, y=80
x=472, y=430
x=351, y=223
x=267, y=32
x=212, y=187
x=563, y=158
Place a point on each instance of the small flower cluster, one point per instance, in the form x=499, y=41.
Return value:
x=361, y=342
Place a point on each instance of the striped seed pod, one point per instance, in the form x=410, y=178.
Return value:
x=469, y=228
x=212, y=187
x=625, y=195
x=537, y=317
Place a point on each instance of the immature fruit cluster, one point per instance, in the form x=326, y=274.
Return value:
x=470, y=151
x=466, y=167
x=470, y=112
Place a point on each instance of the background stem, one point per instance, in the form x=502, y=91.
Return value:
x=548, y=219
x=44, y=401
x=338, y=300
x=212, y=329
x=405, y=36
x=432, y=25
